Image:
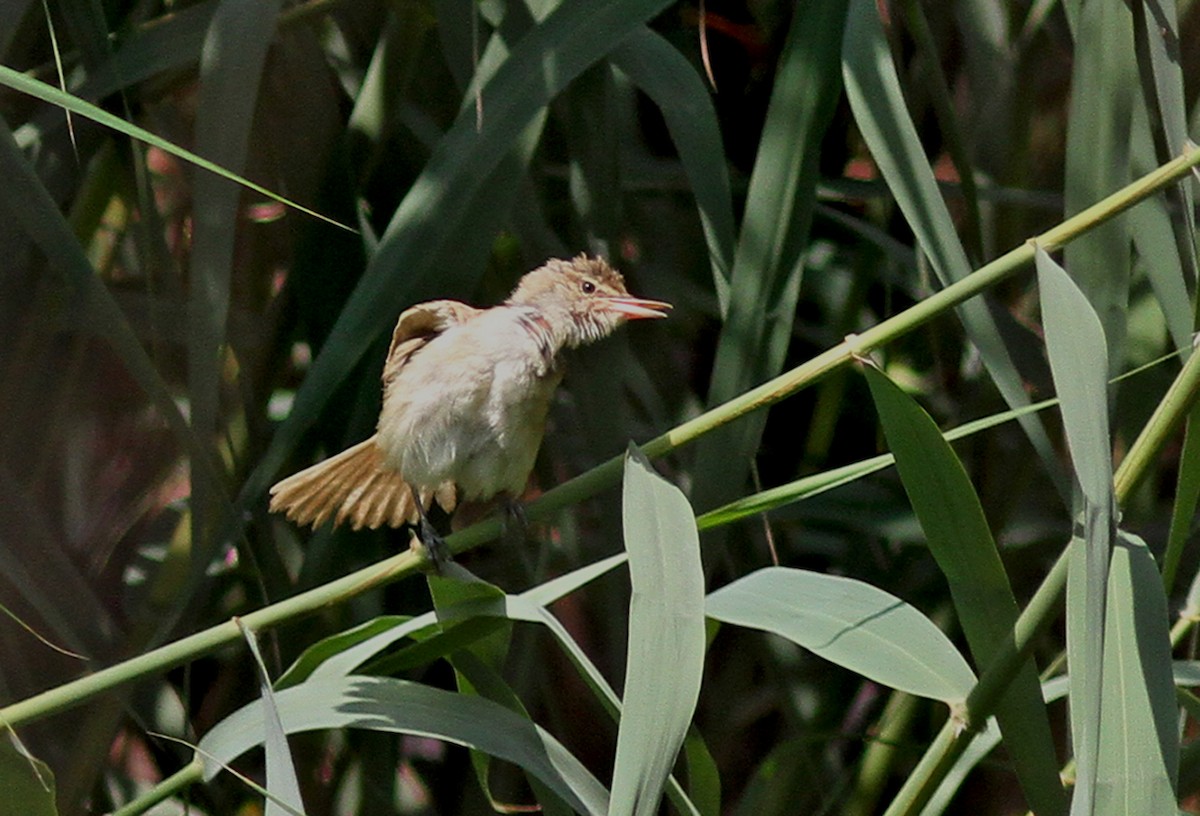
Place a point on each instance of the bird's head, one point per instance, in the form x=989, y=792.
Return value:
x=586, y=296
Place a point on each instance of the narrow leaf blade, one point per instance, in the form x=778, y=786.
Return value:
x=960, y=541
x=1139, y=743
x=666, y=636
x=281, y=772
x=873, y=90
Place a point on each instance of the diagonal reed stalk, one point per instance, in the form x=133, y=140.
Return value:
x=76, y=692
x=953, y=738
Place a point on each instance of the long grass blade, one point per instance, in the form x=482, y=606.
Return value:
x=768, y=264
x=231, y=68
x=1099, y=128
x=1139, y=740
x=961, y=542
x=665, y=75
x=48, y=93
x=281, y=772
x=666, y=636
x=1187, y=497
x=873, y=90
x=1163, y=119
x=1079, y=364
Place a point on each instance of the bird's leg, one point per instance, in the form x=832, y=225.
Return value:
x=516, y=523
x=435, y=545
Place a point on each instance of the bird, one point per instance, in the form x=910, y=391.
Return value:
x=466, y=393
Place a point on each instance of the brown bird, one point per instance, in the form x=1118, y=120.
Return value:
x=466, y=392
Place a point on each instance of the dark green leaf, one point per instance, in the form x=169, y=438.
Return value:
x=959, y=539
x=28, y=783
x=873, y=90
x=768, y=263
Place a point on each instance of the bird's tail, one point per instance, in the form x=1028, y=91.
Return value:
x=356, y=486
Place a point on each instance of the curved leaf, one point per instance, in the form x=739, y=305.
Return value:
x=665, y=75
x=400, y=706
x=850, y=623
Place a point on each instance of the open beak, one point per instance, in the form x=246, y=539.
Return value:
x=633, y=308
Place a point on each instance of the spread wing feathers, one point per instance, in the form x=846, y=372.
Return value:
x=355, y=486
x=417, y=326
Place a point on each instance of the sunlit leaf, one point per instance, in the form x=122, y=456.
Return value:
x=281, y=772
x=400, y=706
x=848, y=622
x=666, y=635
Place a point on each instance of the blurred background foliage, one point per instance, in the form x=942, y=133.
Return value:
x=156, y=324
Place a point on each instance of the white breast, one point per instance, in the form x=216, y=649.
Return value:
x=470, y=406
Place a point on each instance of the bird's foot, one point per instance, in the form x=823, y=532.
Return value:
x=434, y=546
x=516, y=524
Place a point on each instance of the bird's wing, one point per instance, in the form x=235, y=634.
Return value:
x=357, y=485
x=417, y=326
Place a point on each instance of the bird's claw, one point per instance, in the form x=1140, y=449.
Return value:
x=432, y=546
x=515, y=524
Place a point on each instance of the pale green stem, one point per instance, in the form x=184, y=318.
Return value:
x=1179, y=390
x=179, y=781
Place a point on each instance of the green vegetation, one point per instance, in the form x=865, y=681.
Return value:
x=919, y=533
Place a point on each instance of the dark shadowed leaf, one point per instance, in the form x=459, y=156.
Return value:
x=28, y=783
x=961, y=542
x=768, y=263
x=873, y=90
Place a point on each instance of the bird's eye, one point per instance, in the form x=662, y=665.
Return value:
x=588, y=287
